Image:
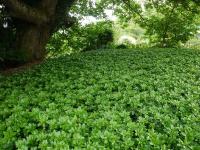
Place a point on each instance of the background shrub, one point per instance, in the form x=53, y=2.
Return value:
x=81, y=38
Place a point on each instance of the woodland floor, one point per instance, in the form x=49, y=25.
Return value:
x=8, y=68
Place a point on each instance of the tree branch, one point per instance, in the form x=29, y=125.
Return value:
x=127, y=3
x=48, y=6
x=62, y=13
x=22, y=11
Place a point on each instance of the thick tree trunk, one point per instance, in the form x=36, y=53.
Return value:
x=31, y=41
x=34, y=24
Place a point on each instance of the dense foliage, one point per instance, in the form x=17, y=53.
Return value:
x=81, y=38
x=167, y=23
x=120, y=99
x=170, y=24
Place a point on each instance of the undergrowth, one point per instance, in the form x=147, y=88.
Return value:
x=109, y=99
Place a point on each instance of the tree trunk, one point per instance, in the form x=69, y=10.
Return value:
x=34, y=24
x=31, y=41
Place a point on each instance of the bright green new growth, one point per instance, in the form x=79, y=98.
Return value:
x=119, y=99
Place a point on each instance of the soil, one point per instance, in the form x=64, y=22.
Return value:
x=10, y=67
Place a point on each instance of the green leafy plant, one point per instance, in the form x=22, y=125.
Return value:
x=81, y=38
x=108, y=99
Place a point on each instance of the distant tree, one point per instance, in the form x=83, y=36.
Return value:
x=171, y=23
x=167, y=22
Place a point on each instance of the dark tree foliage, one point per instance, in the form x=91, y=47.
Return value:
x=7, y=35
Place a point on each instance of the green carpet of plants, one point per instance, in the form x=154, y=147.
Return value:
x=106, y=99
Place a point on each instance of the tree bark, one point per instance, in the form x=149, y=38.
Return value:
x=33, y=28
x=22, y=11
x=35, y=25
x=31, y=41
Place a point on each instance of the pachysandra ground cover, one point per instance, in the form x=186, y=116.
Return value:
x=106, y=99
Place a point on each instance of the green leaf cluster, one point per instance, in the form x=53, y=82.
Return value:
x=81, y=38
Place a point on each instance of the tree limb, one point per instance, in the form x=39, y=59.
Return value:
x=48, y=6
x=62, y=13
x=22, y=11
x=127, y=3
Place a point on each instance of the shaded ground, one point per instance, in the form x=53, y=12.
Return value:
x=10, y=67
